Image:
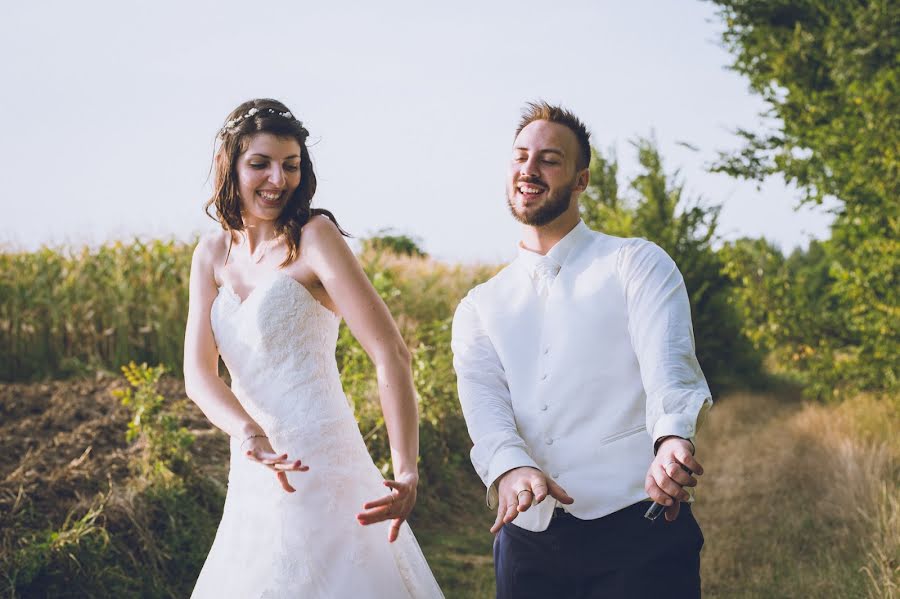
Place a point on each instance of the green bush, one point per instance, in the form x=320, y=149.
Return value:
x=156, y=420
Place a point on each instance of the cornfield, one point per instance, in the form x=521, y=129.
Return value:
x=65, y=312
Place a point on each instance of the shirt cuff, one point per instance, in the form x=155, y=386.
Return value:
x=504, y=461
x=674, y=425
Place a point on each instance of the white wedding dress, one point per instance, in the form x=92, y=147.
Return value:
x=278, y=345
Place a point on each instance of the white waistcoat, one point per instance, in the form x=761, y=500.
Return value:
x=579, y=384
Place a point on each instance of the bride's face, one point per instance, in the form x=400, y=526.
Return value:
x=268, y=174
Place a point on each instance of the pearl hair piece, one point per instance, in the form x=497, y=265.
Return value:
x=253, y=111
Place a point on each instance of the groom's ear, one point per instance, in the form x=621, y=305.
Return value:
x=582, y=179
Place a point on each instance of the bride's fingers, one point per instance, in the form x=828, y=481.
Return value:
x=394, y=506
x=285, y=484
x=394, y=532
x=264, y=456
x=276, y=461
x=384, y=512
x=295, y=466
x=371, y=516
x=270, y=459
x=260, y=455
x=397, y=486
x=386, y=500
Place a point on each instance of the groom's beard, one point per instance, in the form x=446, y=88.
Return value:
x=556, y=203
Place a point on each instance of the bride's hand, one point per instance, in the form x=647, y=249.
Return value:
x=259, y=450
x=395, y=506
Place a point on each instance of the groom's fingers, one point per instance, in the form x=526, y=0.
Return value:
x=499, y=522
x=501, y=512
x=512, y=510
x=559, y=493
x=672, y=512
x=540, y=489
x=524, y=499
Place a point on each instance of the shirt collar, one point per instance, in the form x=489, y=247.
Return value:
x=559, y=252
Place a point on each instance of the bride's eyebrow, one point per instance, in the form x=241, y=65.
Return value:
x=266, y=156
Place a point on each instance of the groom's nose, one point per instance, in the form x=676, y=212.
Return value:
x=529, y=167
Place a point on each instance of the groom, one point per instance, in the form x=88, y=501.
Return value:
x=581, y=391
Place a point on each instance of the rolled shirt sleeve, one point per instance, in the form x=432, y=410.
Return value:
x=485, y=400
x=659, y=323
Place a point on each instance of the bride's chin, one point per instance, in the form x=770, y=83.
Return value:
x=261, y=210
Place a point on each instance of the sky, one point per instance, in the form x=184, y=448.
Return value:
x=111, y=109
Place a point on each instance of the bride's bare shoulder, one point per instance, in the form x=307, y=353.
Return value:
x=212, y=248
x=319, y=226
x=321, y=234
x=213, y=244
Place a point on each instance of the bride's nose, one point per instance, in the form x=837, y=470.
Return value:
x=276, y=176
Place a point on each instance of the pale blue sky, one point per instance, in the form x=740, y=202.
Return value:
x=110, y=110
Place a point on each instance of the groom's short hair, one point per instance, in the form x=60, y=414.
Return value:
x=542, y=111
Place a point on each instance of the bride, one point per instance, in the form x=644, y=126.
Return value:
x=267, y=294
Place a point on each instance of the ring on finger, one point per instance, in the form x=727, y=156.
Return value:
x=524, y=491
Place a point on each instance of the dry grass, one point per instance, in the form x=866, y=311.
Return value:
x=802, y=499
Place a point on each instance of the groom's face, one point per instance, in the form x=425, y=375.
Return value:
x=542, y=173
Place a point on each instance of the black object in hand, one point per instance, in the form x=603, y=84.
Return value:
x=657, y=508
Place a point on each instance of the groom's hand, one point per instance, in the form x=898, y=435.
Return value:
x=673, y=468
x=519, y=488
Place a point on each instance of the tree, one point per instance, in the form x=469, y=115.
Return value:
x=828, y=72
x=396, y=243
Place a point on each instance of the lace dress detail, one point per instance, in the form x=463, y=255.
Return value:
x=279, y=347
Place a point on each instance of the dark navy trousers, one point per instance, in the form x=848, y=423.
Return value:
x=622, y=555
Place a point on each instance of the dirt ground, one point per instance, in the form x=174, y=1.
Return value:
x=63, y=442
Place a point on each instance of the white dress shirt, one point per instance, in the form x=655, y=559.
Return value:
x=576, y=363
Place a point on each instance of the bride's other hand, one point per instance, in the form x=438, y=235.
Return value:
x=395, y=506
x=259, y=450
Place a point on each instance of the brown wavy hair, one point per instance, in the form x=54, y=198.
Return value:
x=234, y=139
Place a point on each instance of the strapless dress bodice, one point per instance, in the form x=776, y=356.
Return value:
x=278, y=345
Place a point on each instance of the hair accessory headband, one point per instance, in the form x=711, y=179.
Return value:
x=236, y=121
